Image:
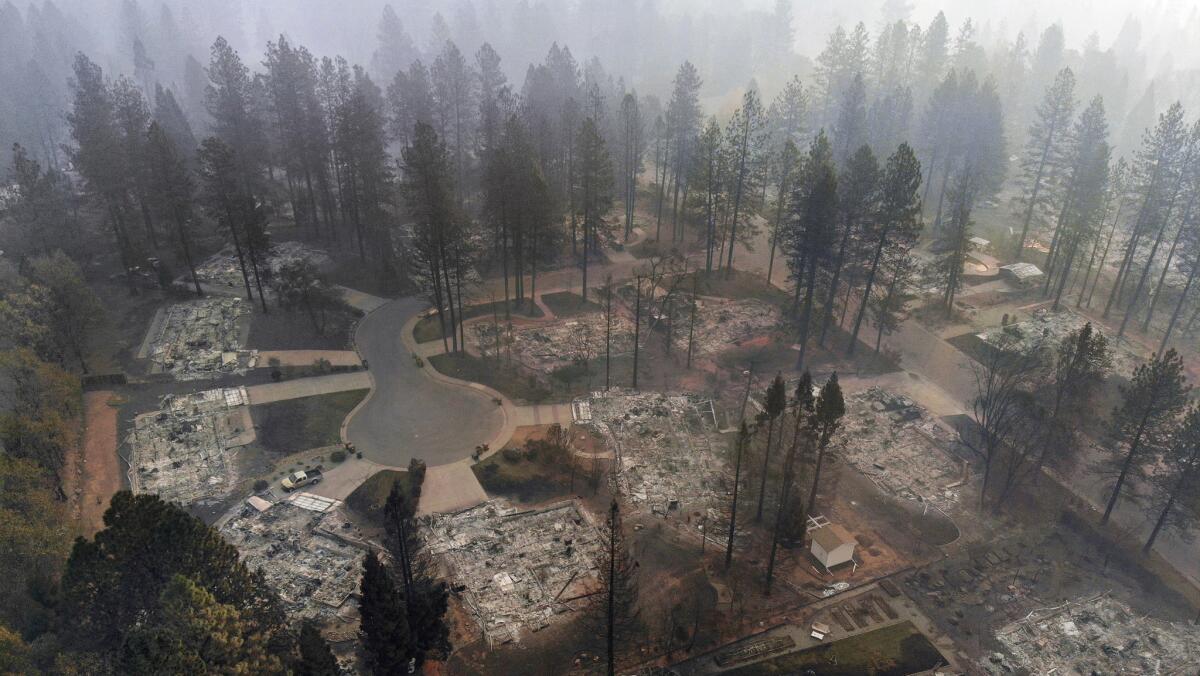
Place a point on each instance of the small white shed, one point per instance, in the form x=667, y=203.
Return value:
x=832, y=545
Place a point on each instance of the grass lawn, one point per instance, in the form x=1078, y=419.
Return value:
x=429, y=328
x=568, y=304
x=505, y=380
x=897, y=650
x=524, y=476
x=368, y=499
x=309, y=422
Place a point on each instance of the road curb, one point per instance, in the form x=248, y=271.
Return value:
x=507, y=407
x=367, y=367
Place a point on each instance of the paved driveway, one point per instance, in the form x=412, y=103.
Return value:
x=409, y=414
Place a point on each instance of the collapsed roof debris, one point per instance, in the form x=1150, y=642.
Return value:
x=312, y=558
x=666, y=447
x=518, y=569
x=1099, y=635
x=1051, y=327
x=223, y=270
x=900, y=447
x=723, y=323
x=201, y=339
x=547, y=347
x=182, y=451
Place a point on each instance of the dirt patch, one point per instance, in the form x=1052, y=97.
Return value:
x=99, y=469
x=568, y=304
x=892, y=651
x=281, y=330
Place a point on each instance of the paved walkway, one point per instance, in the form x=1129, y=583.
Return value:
x=307, y=357
x=543, y=414
x=340, y=480
x=361, y=300
x=450, y=488
x=308, y=387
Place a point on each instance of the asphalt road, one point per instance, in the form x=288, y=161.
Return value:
x=409, y=414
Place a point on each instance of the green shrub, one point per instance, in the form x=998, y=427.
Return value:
x=338, y=456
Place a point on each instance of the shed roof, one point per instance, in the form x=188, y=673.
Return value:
x=1022, y=271
x=832, y=536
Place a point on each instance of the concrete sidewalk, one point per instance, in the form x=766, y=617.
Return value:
x=543, y=414
x=308, y=387
x=307, y=357
x=360, y=300
x=450, y=488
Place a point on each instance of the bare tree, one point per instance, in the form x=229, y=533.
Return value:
x=1004, y=378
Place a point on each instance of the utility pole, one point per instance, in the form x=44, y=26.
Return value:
x=692, y=322
x=746, y=395
x=608, y=293
x=612, y=574
x=737, y=480
x=637, y=327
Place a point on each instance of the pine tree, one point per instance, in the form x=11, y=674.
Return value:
x=814, y=207
x=112, y=582
x=830, y=409
x=633, y=148
x=1084, y=195
x=858, y=204
x=850, y=132
x=427, y=188
x=617, y=601
x=172, y=193
x=316, y=659
x=229, y=99
x=895, y=231
x=1042, y=161
x=454, y=98
x=386, y=635
x=682, y=125
x=396, y=49
x=743, y=439
x=803, y=406
x=593, y=189
x=1155, y=181
x=1190, y=192
x=1175, y=487
x=191, y=632
x=174, y=123
x=745, y=134
x=1080, y=367
x=775, y=402
x=225, y=199
x=1141, y=425
x=97, y=154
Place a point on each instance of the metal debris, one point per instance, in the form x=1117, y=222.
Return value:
x=312, y=559
x=202, y=339
x=1049, y=328
x=551, y=346
x=182, y=452
x=665, y=446
x=896, y=443
x=722, y=323
x=517, y=570
x=223, y=270
x=1099, y=635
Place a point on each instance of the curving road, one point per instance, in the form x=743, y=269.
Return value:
x=409, y=414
